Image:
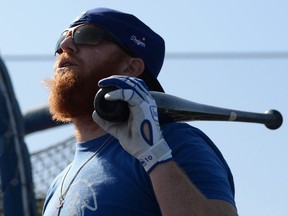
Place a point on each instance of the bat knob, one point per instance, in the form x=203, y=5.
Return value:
x=114, y=111
x=275, y=121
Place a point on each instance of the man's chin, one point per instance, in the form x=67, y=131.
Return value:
x=74, y=106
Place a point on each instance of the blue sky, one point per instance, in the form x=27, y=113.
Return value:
x=256, y=155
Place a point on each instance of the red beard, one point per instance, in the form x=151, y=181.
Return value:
x=72, y=94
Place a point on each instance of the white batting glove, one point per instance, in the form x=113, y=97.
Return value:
x=140, y=135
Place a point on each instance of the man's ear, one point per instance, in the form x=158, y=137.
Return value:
x=135, y=67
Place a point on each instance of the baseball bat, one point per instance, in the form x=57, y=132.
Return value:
x=171, y=108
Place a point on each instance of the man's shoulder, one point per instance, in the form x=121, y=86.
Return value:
x=181, y=128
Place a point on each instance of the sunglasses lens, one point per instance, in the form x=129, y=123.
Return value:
x=58, y=44
x=85, y=35
x=88, y=35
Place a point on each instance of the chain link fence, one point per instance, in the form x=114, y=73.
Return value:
x=49, y=162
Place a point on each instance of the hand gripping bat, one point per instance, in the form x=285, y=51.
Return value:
x=171, y=108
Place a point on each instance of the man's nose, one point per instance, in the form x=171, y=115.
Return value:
x=68, y=45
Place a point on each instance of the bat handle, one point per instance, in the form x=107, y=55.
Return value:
x=114, y=111
x=274, y=119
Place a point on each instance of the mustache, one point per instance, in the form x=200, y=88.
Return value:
x=67, y=57
x=69, y=78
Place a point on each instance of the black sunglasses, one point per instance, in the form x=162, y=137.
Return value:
x=88, y=35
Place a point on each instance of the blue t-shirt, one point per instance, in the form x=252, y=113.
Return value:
x=114, y=183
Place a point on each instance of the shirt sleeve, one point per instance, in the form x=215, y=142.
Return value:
x=201, y=160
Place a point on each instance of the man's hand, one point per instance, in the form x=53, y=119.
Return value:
x=140, y=135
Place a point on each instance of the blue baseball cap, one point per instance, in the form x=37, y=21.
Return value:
x=134, y=35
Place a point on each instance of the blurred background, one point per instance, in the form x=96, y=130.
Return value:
x=231, y=54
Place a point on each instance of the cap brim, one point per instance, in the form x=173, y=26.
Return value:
x=152, y=82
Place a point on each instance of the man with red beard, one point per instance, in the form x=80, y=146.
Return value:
x=137, y=167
